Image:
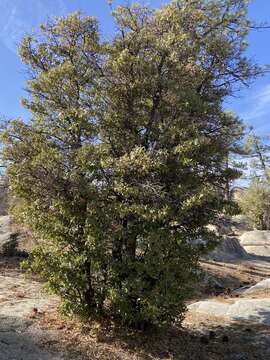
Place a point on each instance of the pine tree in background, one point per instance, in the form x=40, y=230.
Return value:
x=121, y=167
x=258, y=152
x=255, y=200
x=255, y=204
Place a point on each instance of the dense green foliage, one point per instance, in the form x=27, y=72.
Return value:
x=255, y=204
x=122, y=166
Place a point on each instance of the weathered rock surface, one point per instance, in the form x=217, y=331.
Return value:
x=261, y=286
x=210, y=307
x=239, y=224
x=8, y=238
x=5, y=228
x=256, y=242
x=253, y=310
x=229, y=249
x=13, y=242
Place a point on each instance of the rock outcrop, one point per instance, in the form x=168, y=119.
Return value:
x=228, y=250
x=9, y=238
x=262, y=286
x=253, y=310
x=256, y=242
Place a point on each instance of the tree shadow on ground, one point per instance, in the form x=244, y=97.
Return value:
x=214, y=343
x=241, y=340
x=19, y=340
x=18, y=343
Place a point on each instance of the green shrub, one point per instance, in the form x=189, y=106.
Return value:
x=255, y=204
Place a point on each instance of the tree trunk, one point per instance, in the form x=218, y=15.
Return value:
x=89, y=294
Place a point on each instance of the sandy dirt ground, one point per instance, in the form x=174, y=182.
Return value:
x=22, y=302
x=31, y=328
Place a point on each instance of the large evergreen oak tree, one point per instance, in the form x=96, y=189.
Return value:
x=121, y=166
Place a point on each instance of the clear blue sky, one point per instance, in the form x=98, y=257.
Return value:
x=18, y=17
